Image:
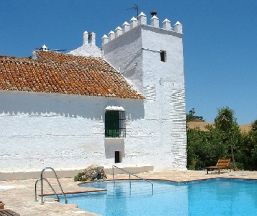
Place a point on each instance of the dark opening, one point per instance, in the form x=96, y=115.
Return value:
x=117, y=157
x=115, y=124
x=163, y=55
x=90, y=37
x=153, y=13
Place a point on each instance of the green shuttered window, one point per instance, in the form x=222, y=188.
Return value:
x=115, y=123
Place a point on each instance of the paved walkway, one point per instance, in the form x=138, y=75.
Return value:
x=19, y=195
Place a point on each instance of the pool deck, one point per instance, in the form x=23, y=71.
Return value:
x=18, y=195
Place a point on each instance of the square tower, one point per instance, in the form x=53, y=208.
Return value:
x=151, y=58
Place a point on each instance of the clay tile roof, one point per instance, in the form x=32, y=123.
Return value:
x=53, y=72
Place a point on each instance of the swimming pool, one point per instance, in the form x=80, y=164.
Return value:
x=220, y=196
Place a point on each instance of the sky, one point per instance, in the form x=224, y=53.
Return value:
x=220, y=41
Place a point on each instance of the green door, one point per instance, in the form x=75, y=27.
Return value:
x=112, y=124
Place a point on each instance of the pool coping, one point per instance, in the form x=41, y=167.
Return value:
x=100, y=190
x=158, y=179
x=75, y=192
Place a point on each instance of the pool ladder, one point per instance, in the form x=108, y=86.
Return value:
x=130, y=174
x=42, y=186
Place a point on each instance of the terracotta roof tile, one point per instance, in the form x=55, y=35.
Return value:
x=54, y=72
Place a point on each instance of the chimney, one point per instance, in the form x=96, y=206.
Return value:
x=155, y=21
x=153, y=13
x=44, y=48
x=85, y=38
x=34, y=55
x=91, y=38
x=166, y=24
x=142, y=19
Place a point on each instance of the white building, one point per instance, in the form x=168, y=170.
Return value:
x=123, y=104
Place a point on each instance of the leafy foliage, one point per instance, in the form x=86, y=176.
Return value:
x=192, y=117
x=222, y=140
x=91, y=173
x=249, y=149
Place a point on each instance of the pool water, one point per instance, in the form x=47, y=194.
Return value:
x=219, y=197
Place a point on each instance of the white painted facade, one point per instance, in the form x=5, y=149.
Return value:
x=62, y=131
x=136, y=54
x=67, y=131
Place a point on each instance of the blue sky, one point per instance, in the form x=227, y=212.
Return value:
x=220, y=41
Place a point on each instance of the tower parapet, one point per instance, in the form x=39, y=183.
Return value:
x=178, y=27
x=133, y=22
x=118, y=31
x=166, y=24
x=155, y=21
x=111, y=35
x=125, y=26
x=142, y=20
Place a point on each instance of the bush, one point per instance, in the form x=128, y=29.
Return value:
x=91, y=173
x=223, y=140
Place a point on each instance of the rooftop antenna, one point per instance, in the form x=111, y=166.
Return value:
x=136, y=8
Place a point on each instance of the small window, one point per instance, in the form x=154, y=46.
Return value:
x=163, y=55
x=117, y=158
x=115, y=123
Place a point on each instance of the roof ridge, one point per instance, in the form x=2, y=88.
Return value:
x=50, y=62
x=68, y=54
x=74, y=62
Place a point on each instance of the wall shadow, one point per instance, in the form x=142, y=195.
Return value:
x=90, y=107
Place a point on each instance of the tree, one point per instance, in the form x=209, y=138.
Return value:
x=250, y=148
x=225, y=120
x=197, y=149
x=191, y=116
x=223, y=139
x=226, y=125
x=253, y=132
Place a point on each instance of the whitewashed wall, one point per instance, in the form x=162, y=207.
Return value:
x=125, y=54
x=65, y=132
x=137, y=54
x=166, y=81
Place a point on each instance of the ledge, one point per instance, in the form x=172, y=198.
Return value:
x=22, y=175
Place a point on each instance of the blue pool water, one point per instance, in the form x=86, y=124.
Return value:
x=219, y=197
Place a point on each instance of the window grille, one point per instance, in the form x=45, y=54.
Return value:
x=115, y=123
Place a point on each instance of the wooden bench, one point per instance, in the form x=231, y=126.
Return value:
x=7, y=212
x=221, y=164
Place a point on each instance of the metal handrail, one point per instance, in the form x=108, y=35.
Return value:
x=42, y=185
x=130, y=174
x=48, y=185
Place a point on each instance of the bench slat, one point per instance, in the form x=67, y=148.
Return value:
x=221, y=164
x=7, y=212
